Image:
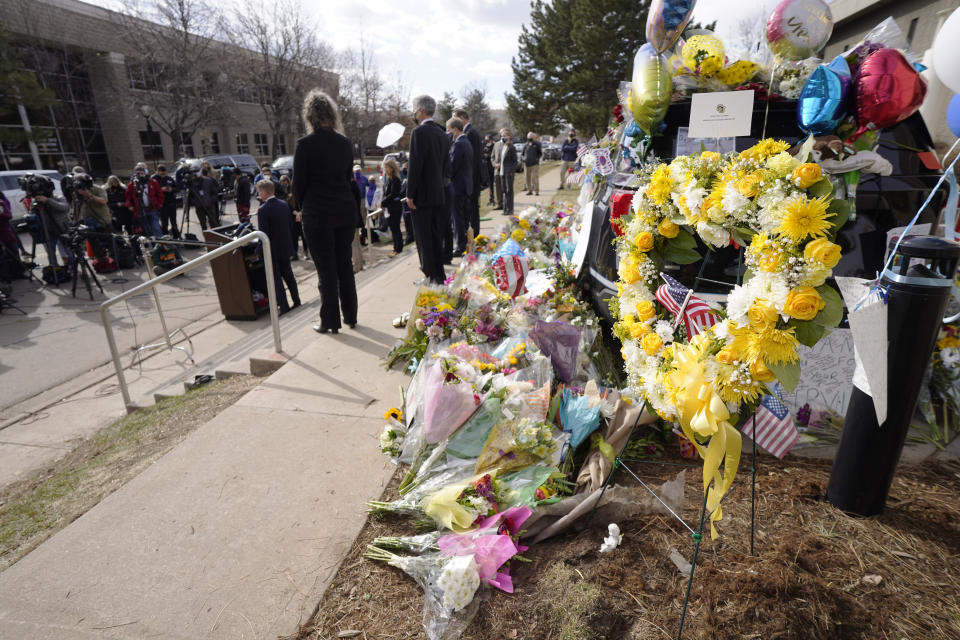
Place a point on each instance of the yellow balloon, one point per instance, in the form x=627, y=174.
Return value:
x=652, y=86
x=699, y=47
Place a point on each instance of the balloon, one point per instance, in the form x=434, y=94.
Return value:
x=953, y=115
x=798, y=29
x=887, y=89
x=700, y=47
x=946, y=52
x=666, y=20
x=652, y=86
x=823, y=101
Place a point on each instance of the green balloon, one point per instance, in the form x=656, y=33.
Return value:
x=652, y=86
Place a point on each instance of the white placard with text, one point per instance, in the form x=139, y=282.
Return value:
x=722, y=114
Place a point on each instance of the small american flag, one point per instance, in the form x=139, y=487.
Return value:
x=574, y=177
x=695, y=314
x=775, y=430
x=582, y=149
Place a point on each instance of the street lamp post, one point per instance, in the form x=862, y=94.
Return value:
x=147, y=111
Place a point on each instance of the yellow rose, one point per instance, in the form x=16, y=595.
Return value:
x=760, y=372
x=645, y=310
x=815, y=275
x=651, y=343
x=667, y=229
x=823, y=251
x=628, y=270
x=806, y=175
x=644, y=241
x=727, y=355
x=762, y=315
x=803, y=303
x=782, y=163
x=638, y=330
x=749, y=185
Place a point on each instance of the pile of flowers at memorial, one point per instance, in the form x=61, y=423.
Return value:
x=502, y=413
x=781, y=208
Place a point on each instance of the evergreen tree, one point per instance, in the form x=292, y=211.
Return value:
x=445, y=107
x=572, y=59
x=20, y=88
x=475, y=102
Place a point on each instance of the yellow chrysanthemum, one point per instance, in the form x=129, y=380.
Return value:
x=773, y=346
x=524, y=224
x=518, y=235
x=732, y=387
x=765, y=149
x=805, y=218
x=660, y=185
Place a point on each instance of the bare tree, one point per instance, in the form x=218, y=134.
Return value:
x=749, y=39
x=290, y=54
x=177, y=66
x=363, y=96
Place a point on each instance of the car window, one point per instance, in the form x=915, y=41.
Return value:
x=9, y=182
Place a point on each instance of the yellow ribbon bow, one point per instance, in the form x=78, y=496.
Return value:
x=703, y=412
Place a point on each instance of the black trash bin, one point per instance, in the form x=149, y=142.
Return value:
x=919, y=287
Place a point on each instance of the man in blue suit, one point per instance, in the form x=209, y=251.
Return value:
x=275, y=219
x=461, y=178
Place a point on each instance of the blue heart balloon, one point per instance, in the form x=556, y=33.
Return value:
x=823, y=101
x=953, y=115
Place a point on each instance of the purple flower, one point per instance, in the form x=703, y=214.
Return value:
x=803, y=415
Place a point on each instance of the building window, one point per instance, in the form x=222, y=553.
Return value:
x=243, y=145
x=281, y=141
x=151, y=145
x=187, y=139
x=260, y=142
x=912, y=30
x=214, y=142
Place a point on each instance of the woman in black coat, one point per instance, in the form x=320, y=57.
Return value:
x=392, y=202
x=329, y=205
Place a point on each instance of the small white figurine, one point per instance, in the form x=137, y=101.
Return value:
x=613, y=539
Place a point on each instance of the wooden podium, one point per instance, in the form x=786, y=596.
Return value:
x=236, y=275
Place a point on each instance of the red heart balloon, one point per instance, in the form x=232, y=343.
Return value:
x=888, y=89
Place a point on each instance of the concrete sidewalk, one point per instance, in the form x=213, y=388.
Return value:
x=237, y=531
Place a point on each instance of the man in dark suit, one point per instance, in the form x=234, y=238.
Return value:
x=461, y=176
x=275, y=219
x=476, y=159
x=508, y=169
x=428, y=174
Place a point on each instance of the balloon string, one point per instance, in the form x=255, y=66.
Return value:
x=943, y=176
x=766, y=111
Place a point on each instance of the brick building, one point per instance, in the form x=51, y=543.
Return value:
x=920, y=21
x=77, y=50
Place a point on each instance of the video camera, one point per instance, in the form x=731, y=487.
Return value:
x=82, y=181
x=34, y=185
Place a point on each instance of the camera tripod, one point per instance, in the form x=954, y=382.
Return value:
x=80, y=268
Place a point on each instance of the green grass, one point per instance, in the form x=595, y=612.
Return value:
x=75, y=483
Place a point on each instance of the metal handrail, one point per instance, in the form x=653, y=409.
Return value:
x=173, y=273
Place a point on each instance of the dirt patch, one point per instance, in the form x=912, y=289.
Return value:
x=817, y=573
x=33, y=509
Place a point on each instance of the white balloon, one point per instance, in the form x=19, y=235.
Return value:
x=946, y=52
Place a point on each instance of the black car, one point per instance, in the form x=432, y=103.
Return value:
x=882, y=203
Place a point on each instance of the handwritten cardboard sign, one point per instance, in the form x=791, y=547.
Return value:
x=826, y=377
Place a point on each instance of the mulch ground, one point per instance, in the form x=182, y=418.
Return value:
x=816, y=573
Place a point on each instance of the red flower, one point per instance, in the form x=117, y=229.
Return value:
x=618, y=112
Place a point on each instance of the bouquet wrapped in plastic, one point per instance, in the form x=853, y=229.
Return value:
x=560, y=341
x=446, y=406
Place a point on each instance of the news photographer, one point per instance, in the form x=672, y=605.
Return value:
x=145, y=198
x=117, y=201
x=168, y=211
x=53, y=213
x=94, y=211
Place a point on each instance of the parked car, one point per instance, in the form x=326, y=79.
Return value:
x=551, y=151
x=11, y=189
x=283, y=166
x=882, y=204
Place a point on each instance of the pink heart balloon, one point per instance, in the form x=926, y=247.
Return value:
x=888, y=90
